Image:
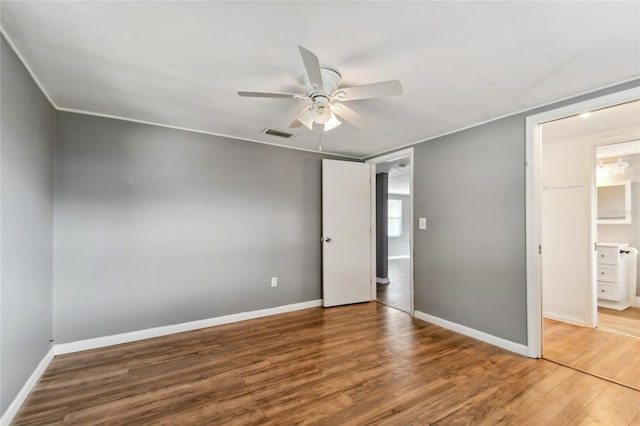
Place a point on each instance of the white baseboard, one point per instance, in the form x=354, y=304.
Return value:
x=116, y=339
x=476, y=334
x=398, y=257
x=635, y=302
x=565, y=318
x=15, y=405
x=99, y=342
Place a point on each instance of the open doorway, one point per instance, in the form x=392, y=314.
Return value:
x=590, y=231
x=618, y=237
x=392, y=209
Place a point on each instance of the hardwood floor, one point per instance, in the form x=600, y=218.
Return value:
x=605, y=354
x=625, y=322
x=397, y=293
x=358, y=364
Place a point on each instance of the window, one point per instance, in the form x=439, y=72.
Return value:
x=394, y=226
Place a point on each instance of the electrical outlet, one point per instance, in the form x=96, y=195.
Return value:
x=422, y=223
x=274, y=281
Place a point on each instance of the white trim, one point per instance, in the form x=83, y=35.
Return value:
x=150, y=123
x=364, y=157
x=132, y=336
x=472, y=332
x=116, y=339
x=26, y=65
x=374, y=230
x=591, y=302
x=398, y=257
x=533, y=267
x=522, y=111
x=374, y=161
x=14, y=406
x=17, y=402
x=203, y=132
x=532, y=152
x=565, y=318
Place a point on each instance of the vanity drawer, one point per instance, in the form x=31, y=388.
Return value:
x=607, y=273
x=607, y=291
x=608, y=255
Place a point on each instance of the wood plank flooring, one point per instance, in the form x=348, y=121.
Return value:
x=625, y=322
x=605, y=354
x=397, y=293
x=353, y=365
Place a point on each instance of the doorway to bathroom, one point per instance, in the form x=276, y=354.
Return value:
x=618, y=236
x=589, y=188
x=393, y=175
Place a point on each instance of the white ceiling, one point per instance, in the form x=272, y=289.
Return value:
x=461, y=63
x=616, y=124
x=399, y=170
x=618, y=149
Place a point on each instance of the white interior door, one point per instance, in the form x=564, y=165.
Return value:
x=346, y=228
x=568, y=231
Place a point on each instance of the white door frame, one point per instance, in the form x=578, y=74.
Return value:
x=533, y=230
x=374, y=161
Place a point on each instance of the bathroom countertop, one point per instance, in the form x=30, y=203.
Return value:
x=603, y=244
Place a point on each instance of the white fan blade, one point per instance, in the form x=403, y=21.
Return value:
x=312, y=65
x=373, y=90
x=271, y=95
x=350, y=115
x=332, y=123
x=305, y=117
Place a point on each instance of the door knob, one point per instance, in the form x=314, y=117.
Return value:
x=327, y=240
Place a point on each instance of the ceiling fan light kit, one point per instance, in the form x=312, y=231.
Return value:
x=322, y=90
x=321, y=111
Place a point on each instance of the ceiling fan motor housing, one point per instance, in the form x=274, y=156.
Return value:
x=320, y=97
x=330, y=81
x=322, y=89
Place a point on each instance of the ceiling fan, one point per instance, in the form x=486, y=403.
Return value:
x=322, y=89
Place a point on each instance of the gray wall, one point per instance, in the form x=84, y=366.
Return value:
x=400, y=246
x=470, y=261
x=382, y=227
x=27, y=133
x=624, y=233
x=157, y=226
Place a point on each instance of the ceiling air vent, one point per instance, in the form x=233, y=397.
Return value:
x=278, y=133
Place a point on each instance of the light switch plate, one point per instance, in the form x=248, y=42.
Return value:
x=422, y=223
